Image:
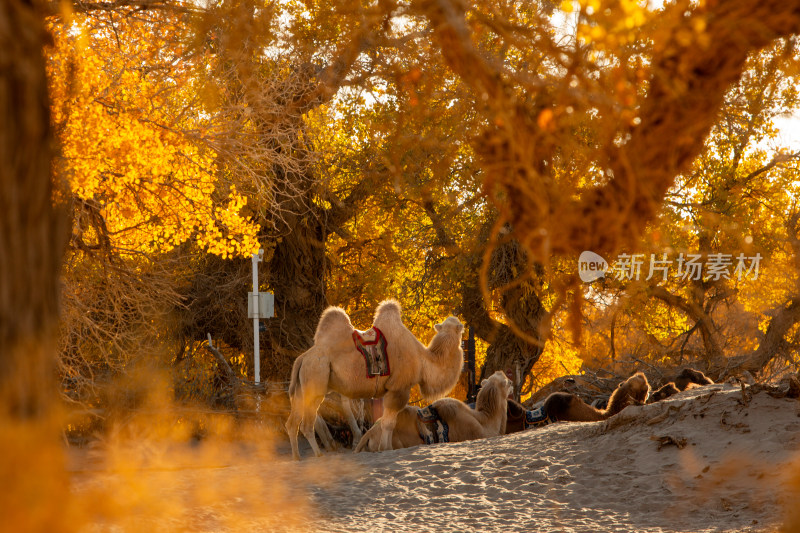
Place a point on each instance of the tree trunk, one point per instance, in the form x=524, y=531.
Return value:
x=32, y=243
x=772, y=345
x=32, y=231
x=298, y=268
x=296, y=274
x=507, y=351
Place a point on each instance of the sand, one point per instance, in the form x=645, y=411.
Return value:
x=705, y=460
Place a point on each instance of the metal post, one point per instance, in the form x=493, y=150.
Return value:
x=471, y=386
x=256, y=345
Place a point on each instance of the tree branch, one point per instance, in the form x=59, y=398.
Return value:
x=694, y=311
x=691, y=73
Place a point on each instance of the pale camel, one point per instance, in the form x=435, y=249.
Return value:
x=488, y=419
x=566, y=407
x=334, y=363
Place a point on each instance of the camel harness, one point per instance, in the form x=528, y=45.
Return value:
x=372, y=345
x=432, y=429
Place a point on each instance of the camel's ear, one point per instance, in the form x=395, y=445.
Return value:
x=437, y=327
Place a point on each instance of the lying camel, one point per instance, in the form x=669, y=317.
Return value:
x=521, y=418
x=335, y=406
x=335, y=363
x=664, y=392
x=566, y=407
x=458, y=420
x=686, y=379
x=690, y=375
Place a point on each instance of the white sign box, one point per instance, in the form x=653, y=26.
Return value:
x=265, y=307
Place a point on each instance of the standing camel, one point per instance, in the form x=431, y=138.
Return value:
x=334, y=363
x=488, y=419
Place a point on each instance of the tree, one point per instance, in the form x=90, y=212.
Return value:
x=478, y=117
x=737, y=198
x=32, y=239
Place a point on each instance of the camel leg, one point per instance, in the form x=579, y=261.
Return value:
x=303, y=417
x=370, y=438
x=324, y=433
x=293, y=426
x=351, y=420
x=393, y=402
x=310, y=407
x=309, y=384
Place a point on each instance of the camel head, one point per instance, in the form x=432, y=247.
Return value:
x=639, y=388
x=494, y=392
x=501, y=381
x=444, y=359
x=450, y=325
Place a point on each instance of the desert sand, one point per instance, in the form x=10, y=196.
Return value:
x=708, y=459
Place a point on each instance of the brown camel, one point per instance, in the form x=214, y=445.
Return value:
x=488, y=419
x=687, y=378
x=334, y=363
x=520, y=418
x=566, y=407
x=690, y=375
x=515, y=417
x=663, y=393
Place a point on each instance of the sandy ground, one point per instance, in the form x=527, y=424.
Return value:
x=704, y=460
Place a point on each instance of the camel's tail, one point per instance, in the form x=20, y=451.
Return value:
x=294, y=384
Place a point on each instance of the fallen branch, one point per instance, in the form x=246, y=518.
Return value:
x=667, y=440
x=235, y=381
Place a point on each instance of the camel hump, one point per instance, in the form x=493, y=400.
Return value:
x=333, y=324
x=558, y=404
x=388, y=309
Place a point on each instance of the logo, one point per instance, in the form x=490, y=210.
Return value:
x=707, y=267
x=591, y=266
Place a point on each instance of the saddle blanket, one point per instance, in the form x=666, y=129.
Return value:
x=372, y=345
x=532, y=419
x=536, y=418
x=432, y=429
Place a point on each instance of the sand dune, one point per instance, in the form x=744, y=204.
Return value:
x=729, y=475
x=704, y=460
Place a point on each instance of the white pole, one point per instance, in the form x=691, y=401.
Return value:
x=256, y=347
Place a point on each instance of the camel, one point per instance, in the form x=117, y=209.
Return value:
x=334, y=363
x=688, y=378
x=488, y=419
x=520, y=418
x=566, y=407
x=515, y=417
x=690, y=375
x=338, y=407
x=663, y=393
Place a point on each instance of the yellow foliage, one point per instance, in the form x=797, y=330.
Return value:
x=130, y=140
x=558, y=359
x=612, y=24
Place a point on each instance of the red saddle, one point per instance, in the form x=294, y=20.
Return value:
x=372, y=345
